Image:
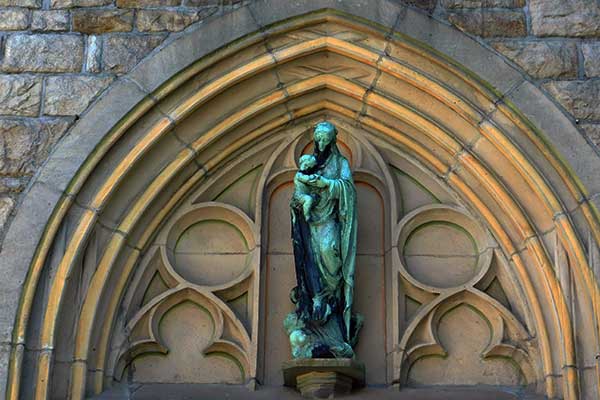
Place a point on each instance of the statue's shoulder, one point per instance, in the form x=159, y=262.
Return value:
x=343, y=162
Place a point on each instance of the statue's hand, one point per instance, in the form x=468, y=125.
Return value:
x=304, y=178
x=319, y=181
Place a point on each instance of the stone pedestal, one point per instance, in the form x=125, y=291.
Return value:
x=324, y=378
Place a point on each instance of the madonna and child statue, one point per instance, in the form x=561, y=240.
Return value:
x=324, y=226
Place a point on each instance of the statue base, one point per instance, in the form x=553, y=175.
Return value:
x=324, y=378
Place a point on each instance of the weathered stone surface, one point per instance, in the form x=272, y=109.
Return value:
x=159, y=20
x=25, y=143
x=78, y=3
x=11, y=184
x=121, y=53
x=43, y=53
x=591, y=59
x=20, y=95
x=6, y=206
x=580, y=98
x=14, y=19
x=428, y=5
x=542, y=59
x=592, y=131
x=53, y=20
x=577, y=18
x=483, y=3
x=146, y=3
x=93, y=59
x=70, y=95
x=21, y=3
x=102, y=21
x=101, y=118
x=18, y=140
x=488, y=23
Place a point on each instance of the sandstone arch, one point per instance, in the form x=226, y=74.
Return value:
x=417, y=92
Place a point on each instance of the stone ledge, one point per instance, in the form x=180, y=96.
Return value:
x=324, y=378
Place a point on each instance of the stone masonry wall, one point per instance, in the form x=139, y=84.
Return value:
x=57, y=56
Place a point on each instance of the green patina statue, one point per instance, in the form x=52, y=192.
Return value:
x=324, y=224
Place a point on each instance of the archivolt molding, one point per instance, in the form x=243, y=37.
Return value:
x=405, y=96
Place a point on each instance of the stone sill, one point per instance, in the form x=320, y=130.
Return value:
x=232, y=392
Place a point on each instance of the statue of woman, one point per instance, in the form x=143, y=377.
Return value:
x=324, y=241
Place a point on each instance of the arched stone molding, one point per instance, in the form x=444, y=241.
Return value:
x=413, y=85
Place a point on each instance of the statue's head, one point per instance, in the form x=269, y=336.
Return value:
x=307, y=162
x=324, y=134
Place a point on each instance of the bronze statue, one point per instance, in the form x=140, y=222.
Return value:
x=323, y=212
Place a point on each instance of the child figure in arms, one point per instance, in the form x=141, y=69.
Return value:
x=305, y=194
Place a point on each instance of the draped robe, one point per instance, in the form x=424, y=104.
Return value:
x=325, y=258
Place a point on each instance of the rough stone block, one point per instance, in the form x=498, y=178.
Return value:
x=146, y=3
x=542, y=59
x=14, y=19
x=121, y=53
x=25, y=143
x=592, y=131
x=455, y=4
x=578, y=18
x=486, y=23
x=160, y=20
x=580, y=98
x=43, y=53
x=71, y=95
x=102, y=21
x=17, y=142
x=21, y=3
x=591, y=59
x=79, y=3
x=20, y=95
x=53, y=20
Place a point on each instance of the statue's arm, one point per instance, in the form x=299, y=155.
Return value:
x=331, y=183
x=336, y=185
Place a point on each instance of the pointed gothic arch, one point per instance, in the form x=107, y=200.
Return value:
x=224, y=110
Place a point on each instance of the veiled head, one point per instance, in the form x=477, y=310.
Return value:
x=324, y=134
